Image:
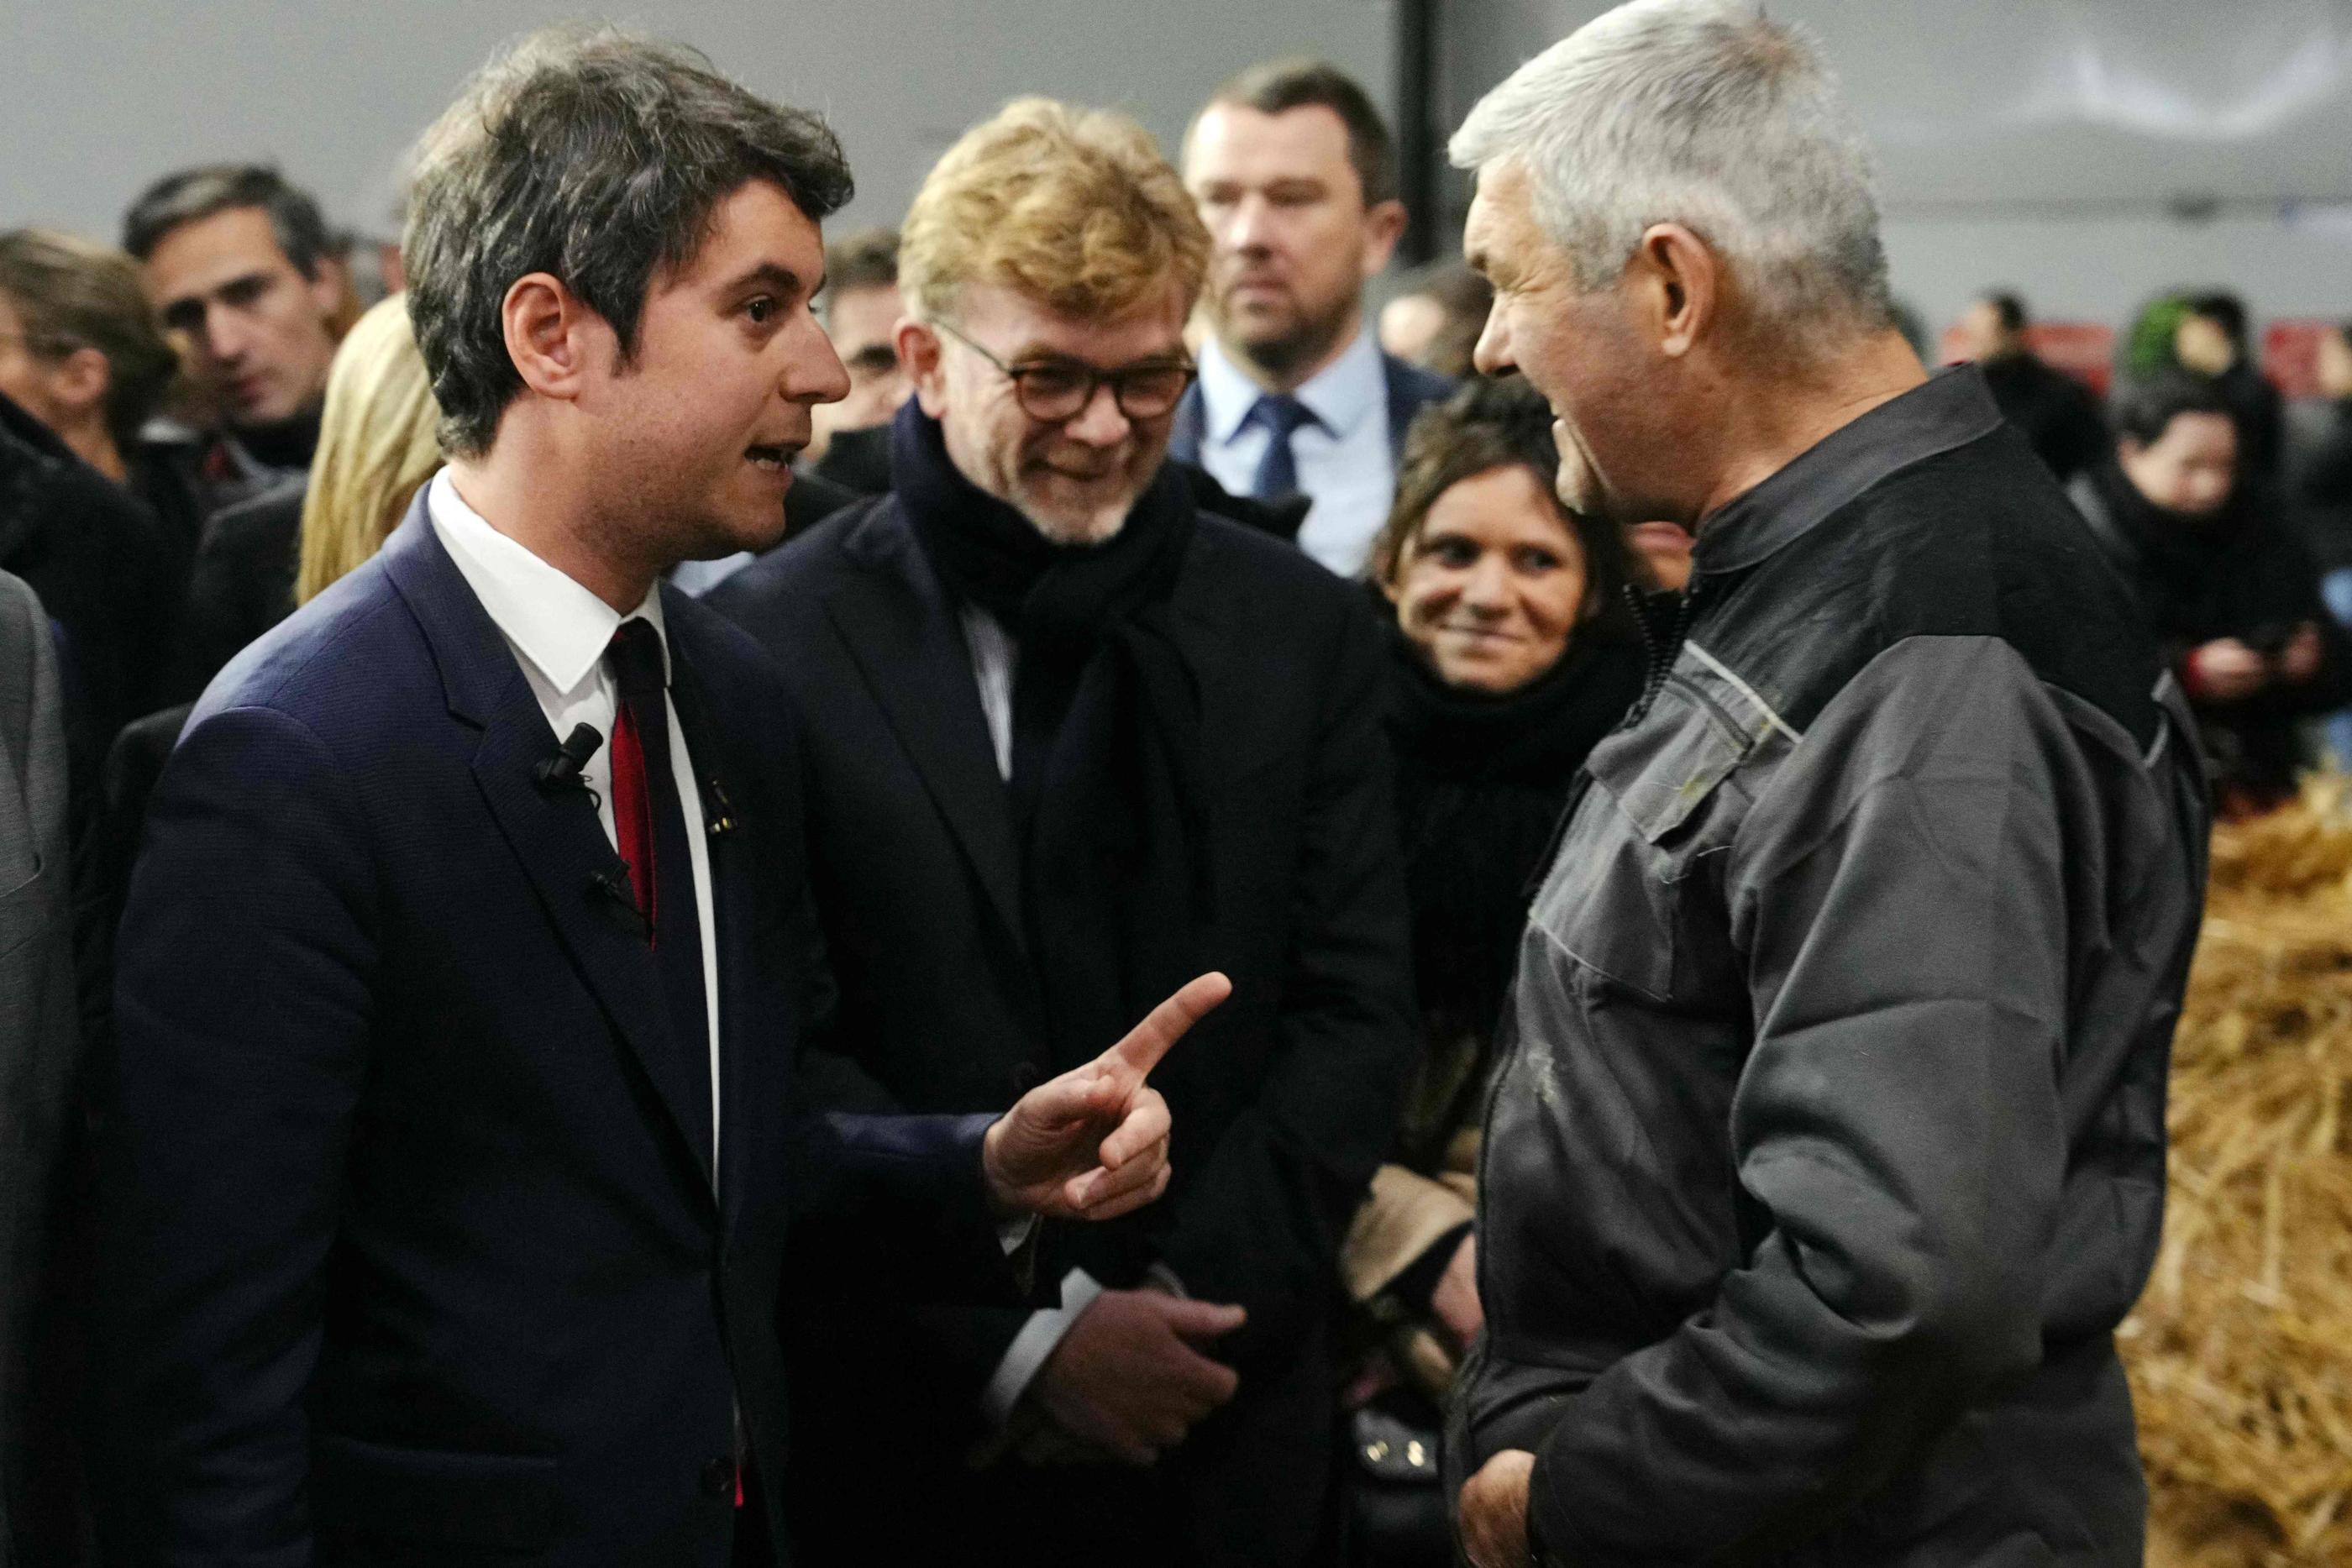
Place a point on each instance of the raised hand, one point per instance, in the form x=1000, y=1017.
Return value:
x=1093, y=1144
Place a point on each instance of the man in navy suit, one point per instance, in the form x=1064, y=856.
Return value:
x=454, y=1157
x=1294, y=175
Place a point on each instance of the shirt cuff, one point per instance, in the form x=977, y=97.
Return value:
x=1025, y=1356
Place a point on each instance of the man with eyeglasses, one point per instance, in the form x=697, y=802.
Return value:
x=1066, y=732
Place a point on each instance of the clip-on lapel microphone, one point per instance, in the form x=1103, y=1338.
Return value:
x=562, y=770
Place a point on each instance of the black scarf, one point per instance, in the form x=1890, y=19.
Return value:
x=1106, y=790
x=282, y=444
x=2227, y=575
x=1481, y=780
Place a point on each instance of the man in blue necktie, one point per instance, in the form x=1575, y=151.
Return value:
x=1295, y=176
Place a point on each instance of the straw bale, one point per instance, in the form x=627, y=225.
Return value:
x=2240, y=1350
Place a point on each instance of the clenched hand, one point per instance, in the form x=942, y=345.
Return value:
x=1492, y=1512
x=1130, y=1379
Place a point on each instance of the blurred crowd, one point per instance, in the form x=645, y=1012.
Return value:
x=205, y=427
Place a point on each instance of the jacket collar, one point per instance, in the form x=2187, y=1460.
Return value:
x=551, y=620
x=895, y=617
x=1341, y=395
x=476, y=666
x=905, y=633
x=1408, y=390
x=554, y=834
x=1952, y=409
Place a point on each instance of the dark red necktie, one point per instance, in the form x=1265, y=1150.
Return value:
x=650, y=821
x=632, y=814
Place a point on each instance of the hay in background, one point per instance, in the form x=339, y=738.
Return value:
x=2240, y=1350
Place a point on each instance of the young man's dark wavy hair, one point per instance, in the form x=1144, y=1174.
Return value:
x=596, y=157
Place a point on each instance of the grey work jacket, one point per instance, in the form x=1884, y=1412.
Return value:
x=1827, y=1146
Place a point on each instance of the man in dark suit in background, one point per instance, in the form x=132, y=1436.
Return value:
x=246, y=277
x=1296, y=177
x=40, y=1512
x=2058, y=415
x=453, y=1153
x=1068, y=736
x=97, y=558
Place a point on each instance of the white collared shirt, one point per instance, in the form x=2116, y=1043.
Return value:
x=559, y=632
x=1344, y=463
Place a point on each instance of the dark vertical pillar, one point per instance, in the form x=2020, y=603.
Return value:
x=1417, y=151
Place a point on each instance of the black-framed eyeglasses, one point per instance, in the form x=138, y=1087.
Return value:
x=1051, y=390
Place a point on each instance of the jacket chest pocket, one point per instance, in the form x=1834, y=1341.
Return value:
x=1631, y=893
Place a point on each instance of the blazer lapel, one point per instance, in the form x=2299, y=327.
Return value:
x=748, y=1097
x=556, y=836
x=899, y=626
x=1409, y=390
x=1184, y=437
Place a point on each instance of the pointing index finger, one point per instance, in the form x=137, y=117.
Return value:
x=1147, y=1041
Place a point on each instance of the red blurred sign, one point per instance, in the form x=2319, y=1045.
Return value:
x=2083, y=350
x=2291, y=355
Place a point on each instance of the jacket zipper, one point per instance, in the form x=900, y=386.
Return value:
x=1658, y=654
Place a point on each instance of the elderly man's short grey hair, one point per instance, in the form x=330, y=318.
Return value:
x=1700, y=112
x=597, y=157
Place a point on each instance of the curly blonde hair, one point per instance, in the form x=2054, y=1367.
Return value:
x=1074, y=208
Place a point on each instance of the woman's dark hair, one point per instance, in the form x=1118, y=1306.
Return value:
x=2227, y=311
x=2008, y=308
x=2144, y=407
x=1486, y=425
x=596, y=156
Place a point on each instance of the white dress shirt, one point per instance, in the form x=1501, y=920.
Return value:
x=1345, y=466
x=559, y=632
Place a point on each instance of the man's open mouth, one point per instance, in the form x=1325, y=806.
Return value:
x=774, y=458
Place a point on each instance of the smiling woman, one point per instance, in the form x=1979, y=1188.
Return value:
x=1491, y=575
x=1513, y=655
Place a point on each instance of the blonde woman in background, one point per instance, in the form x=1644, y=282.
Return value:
x=378, y=442
x=377, y=445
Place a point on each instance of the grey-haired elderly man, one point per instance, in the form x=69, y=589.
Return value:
x=1828, y=1148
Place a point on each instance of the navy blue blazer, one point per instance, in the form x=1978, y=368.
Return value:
x=1410, y=389
x=411, y=1249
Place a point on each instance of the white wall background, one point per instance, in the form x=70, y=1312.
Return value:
x=97, y=97
x=2038, y=144
x=2043, y=144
